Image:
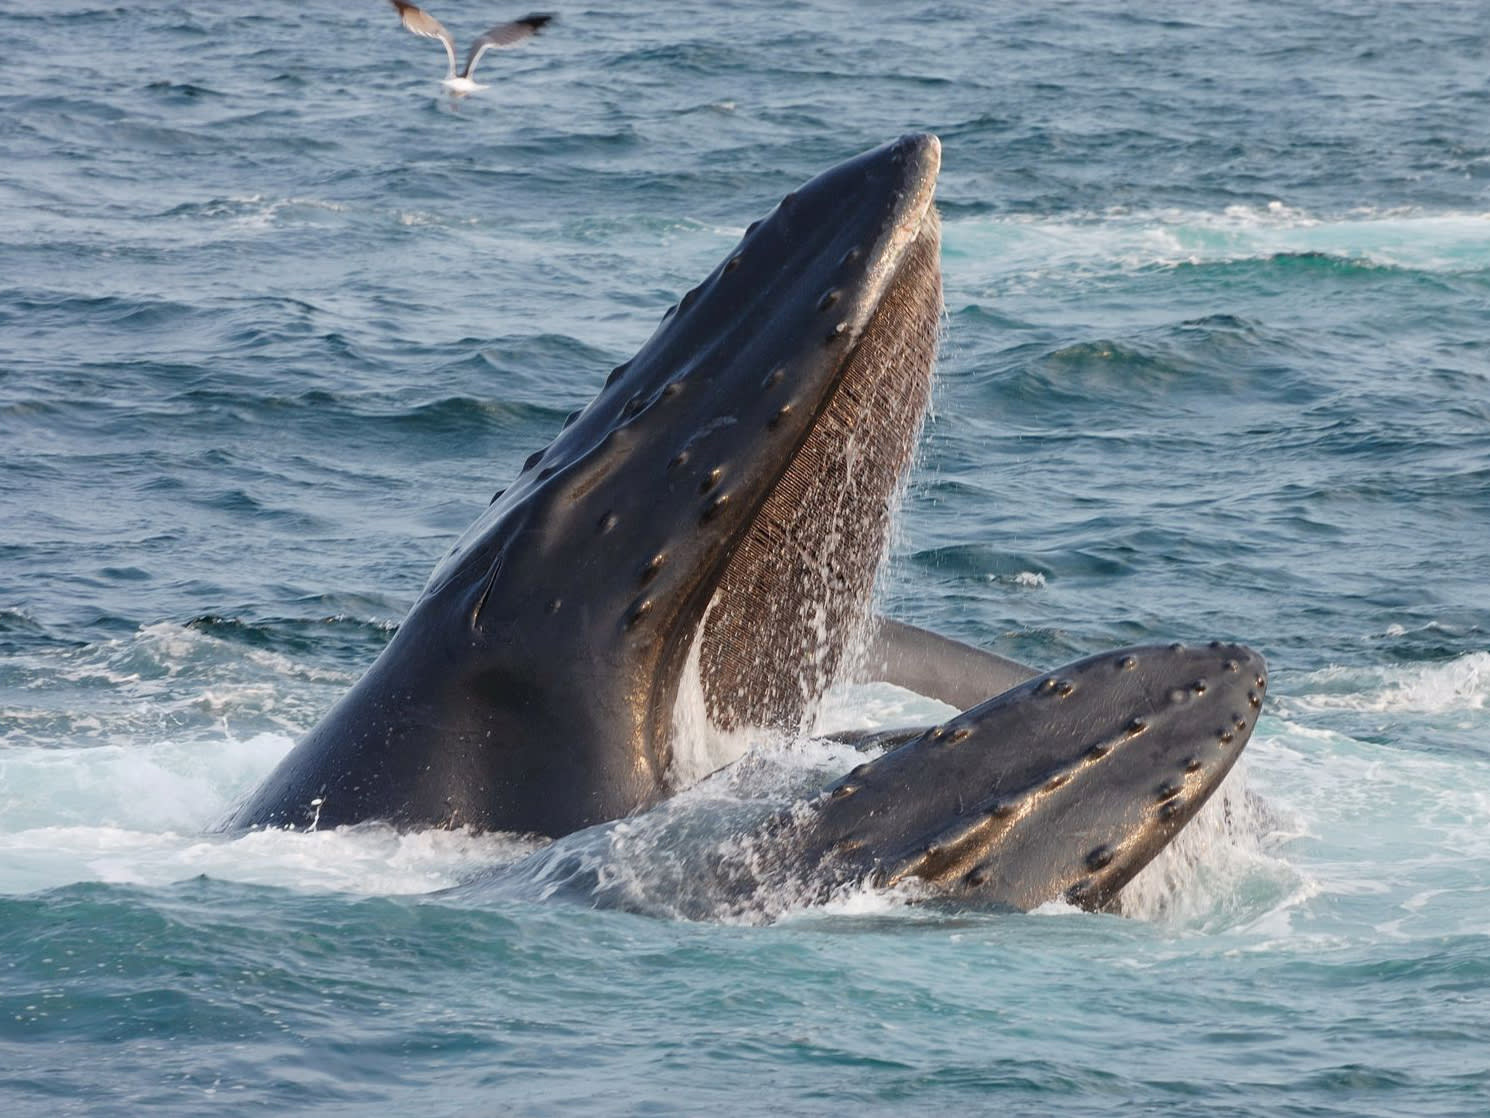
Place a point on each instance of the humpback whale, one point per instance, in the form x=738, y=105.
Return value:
x=717, y=515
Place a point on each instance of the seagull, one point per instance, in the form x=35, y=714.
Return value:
x=417, y=20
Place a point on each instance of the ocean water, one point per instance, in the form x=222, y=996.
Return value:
x=277, y=317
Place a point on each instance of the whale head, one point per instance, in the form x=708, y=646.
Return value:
x=724, y=498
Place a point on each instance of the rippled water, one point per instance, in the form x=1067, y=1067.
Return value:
x=277, y=317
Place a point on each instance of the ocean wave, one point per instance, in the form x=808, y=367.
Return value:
x=1083, y=242
x=1023, y=569
x=1227, y=869
x=165, y=679
x=1459, y=685
x=371, y=861
x=42, y=309
x=1391, y=831
x=1208, y=356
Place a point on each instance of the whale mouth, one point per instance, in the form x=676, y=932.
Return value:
x=727, y=498
x=795, y=593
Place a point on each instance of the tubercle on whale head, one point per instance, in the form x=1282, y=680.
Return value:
x=1063, y=787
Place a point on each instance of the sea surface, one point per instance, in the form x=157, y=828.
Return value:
x=278, y=316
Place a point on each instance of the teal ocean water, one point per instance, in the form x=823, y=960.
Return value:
x=277, y=317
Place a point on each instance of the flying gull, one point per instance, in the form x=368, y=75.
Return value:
x=417, y=20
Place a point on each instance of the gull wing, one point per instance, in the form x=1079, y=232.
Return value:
x=417, y=20
x=504, y=35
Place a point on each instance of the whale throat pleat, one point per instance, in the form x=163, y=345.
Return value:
x=797, y=591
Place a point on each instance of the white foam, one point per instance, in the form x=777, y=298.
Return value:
x=1057, y=907
x=169, y=785
x=877, y=706
x=140, y=683
x=1338, y=817
x=367, y=860
x=1405, y=827
x=1457, y=685
x=419, y=218
x=1224, y=870
x=855, y=902
x=258, y=213
x=138, y=814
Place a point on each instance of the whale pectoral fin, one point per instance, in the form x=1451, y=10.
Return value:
x=937, y=666
x=932, y=665
x=1062, y=787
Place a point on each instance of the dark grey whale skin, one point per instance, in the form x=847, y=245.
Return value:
x=531, y=687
